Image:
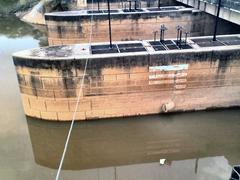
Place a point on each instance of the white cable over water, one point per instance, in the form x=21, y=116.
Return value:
x=77, y=104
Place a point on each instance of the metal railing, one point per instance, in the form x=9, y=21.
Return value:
x=232, y=4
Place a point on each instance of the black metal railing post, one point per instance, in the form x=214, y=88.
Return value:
x=158, y=3
x=178, y=30
x=135, y=5
x=180, y=39
x=109, y=23
x=98, y=5
x=130, y=5
x=216, y=20
x=161, y=35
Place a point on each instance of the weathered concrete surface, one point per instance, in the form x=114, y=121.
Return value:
x=229, y=11
x=126, y=84
x=75, y=27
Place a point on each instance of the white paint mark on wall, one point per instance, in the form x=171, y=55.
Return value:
x=172, y=74
x=159, y=76
x=168, y=68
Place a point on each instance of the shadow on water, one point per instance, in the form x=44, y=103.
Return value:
x=138, y=140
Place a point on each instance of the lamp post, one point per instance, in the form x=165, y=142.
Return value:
x=158, y=3
x=109, y=24
x=216, y=20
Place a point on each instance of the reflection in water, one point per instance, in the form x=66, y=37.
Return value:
x=198, y=145
x=12, y=27
x=135, y=144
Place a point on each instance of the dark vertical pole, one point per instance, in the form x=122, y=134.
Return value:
x=155, y=35
x=130, y=5
x=98, y=5
x=177, y=35
x=135, y=6
x=161, y=33
x=158, y=3
x=186, y=35
x=180, y=39
x=196, y=166
x=109, y=22
x=164, y=32
x=216, y=20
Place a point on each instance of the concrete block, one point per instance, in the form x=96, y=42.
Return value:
x=57, y=106
x=37, y=103
x=68, y=116
x=110, y=78
x=84, y=105
x=49, y=115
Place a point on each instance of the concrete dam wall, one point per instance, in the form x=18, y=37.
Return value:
x=133, y=78
x=74, y=26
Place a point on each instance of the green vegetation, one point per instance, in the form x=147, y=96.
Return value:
x=12, y=27
x=12, y=6
x=8, y=7
x=59, y=5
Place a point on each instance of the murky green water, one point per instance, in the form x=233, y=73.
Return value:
x=197, y=145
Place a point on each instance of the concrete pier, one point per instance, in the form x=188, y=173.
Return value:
x=133, y=78
x=74, y=26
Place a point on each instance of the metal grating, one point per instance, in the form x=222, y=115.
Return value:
x=186, y=46
x=207, y=42
x=131, y=47
x=172, y=47
x=159, y=48
x=104, y=49
x=101, y=11
x=133, y=10
x=163, y=45
x=234, y=40
x=183, y=45
x=235, y=173
x=157, y=45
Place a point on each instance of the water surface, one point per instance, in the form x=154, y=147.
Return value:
x=196, y=145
